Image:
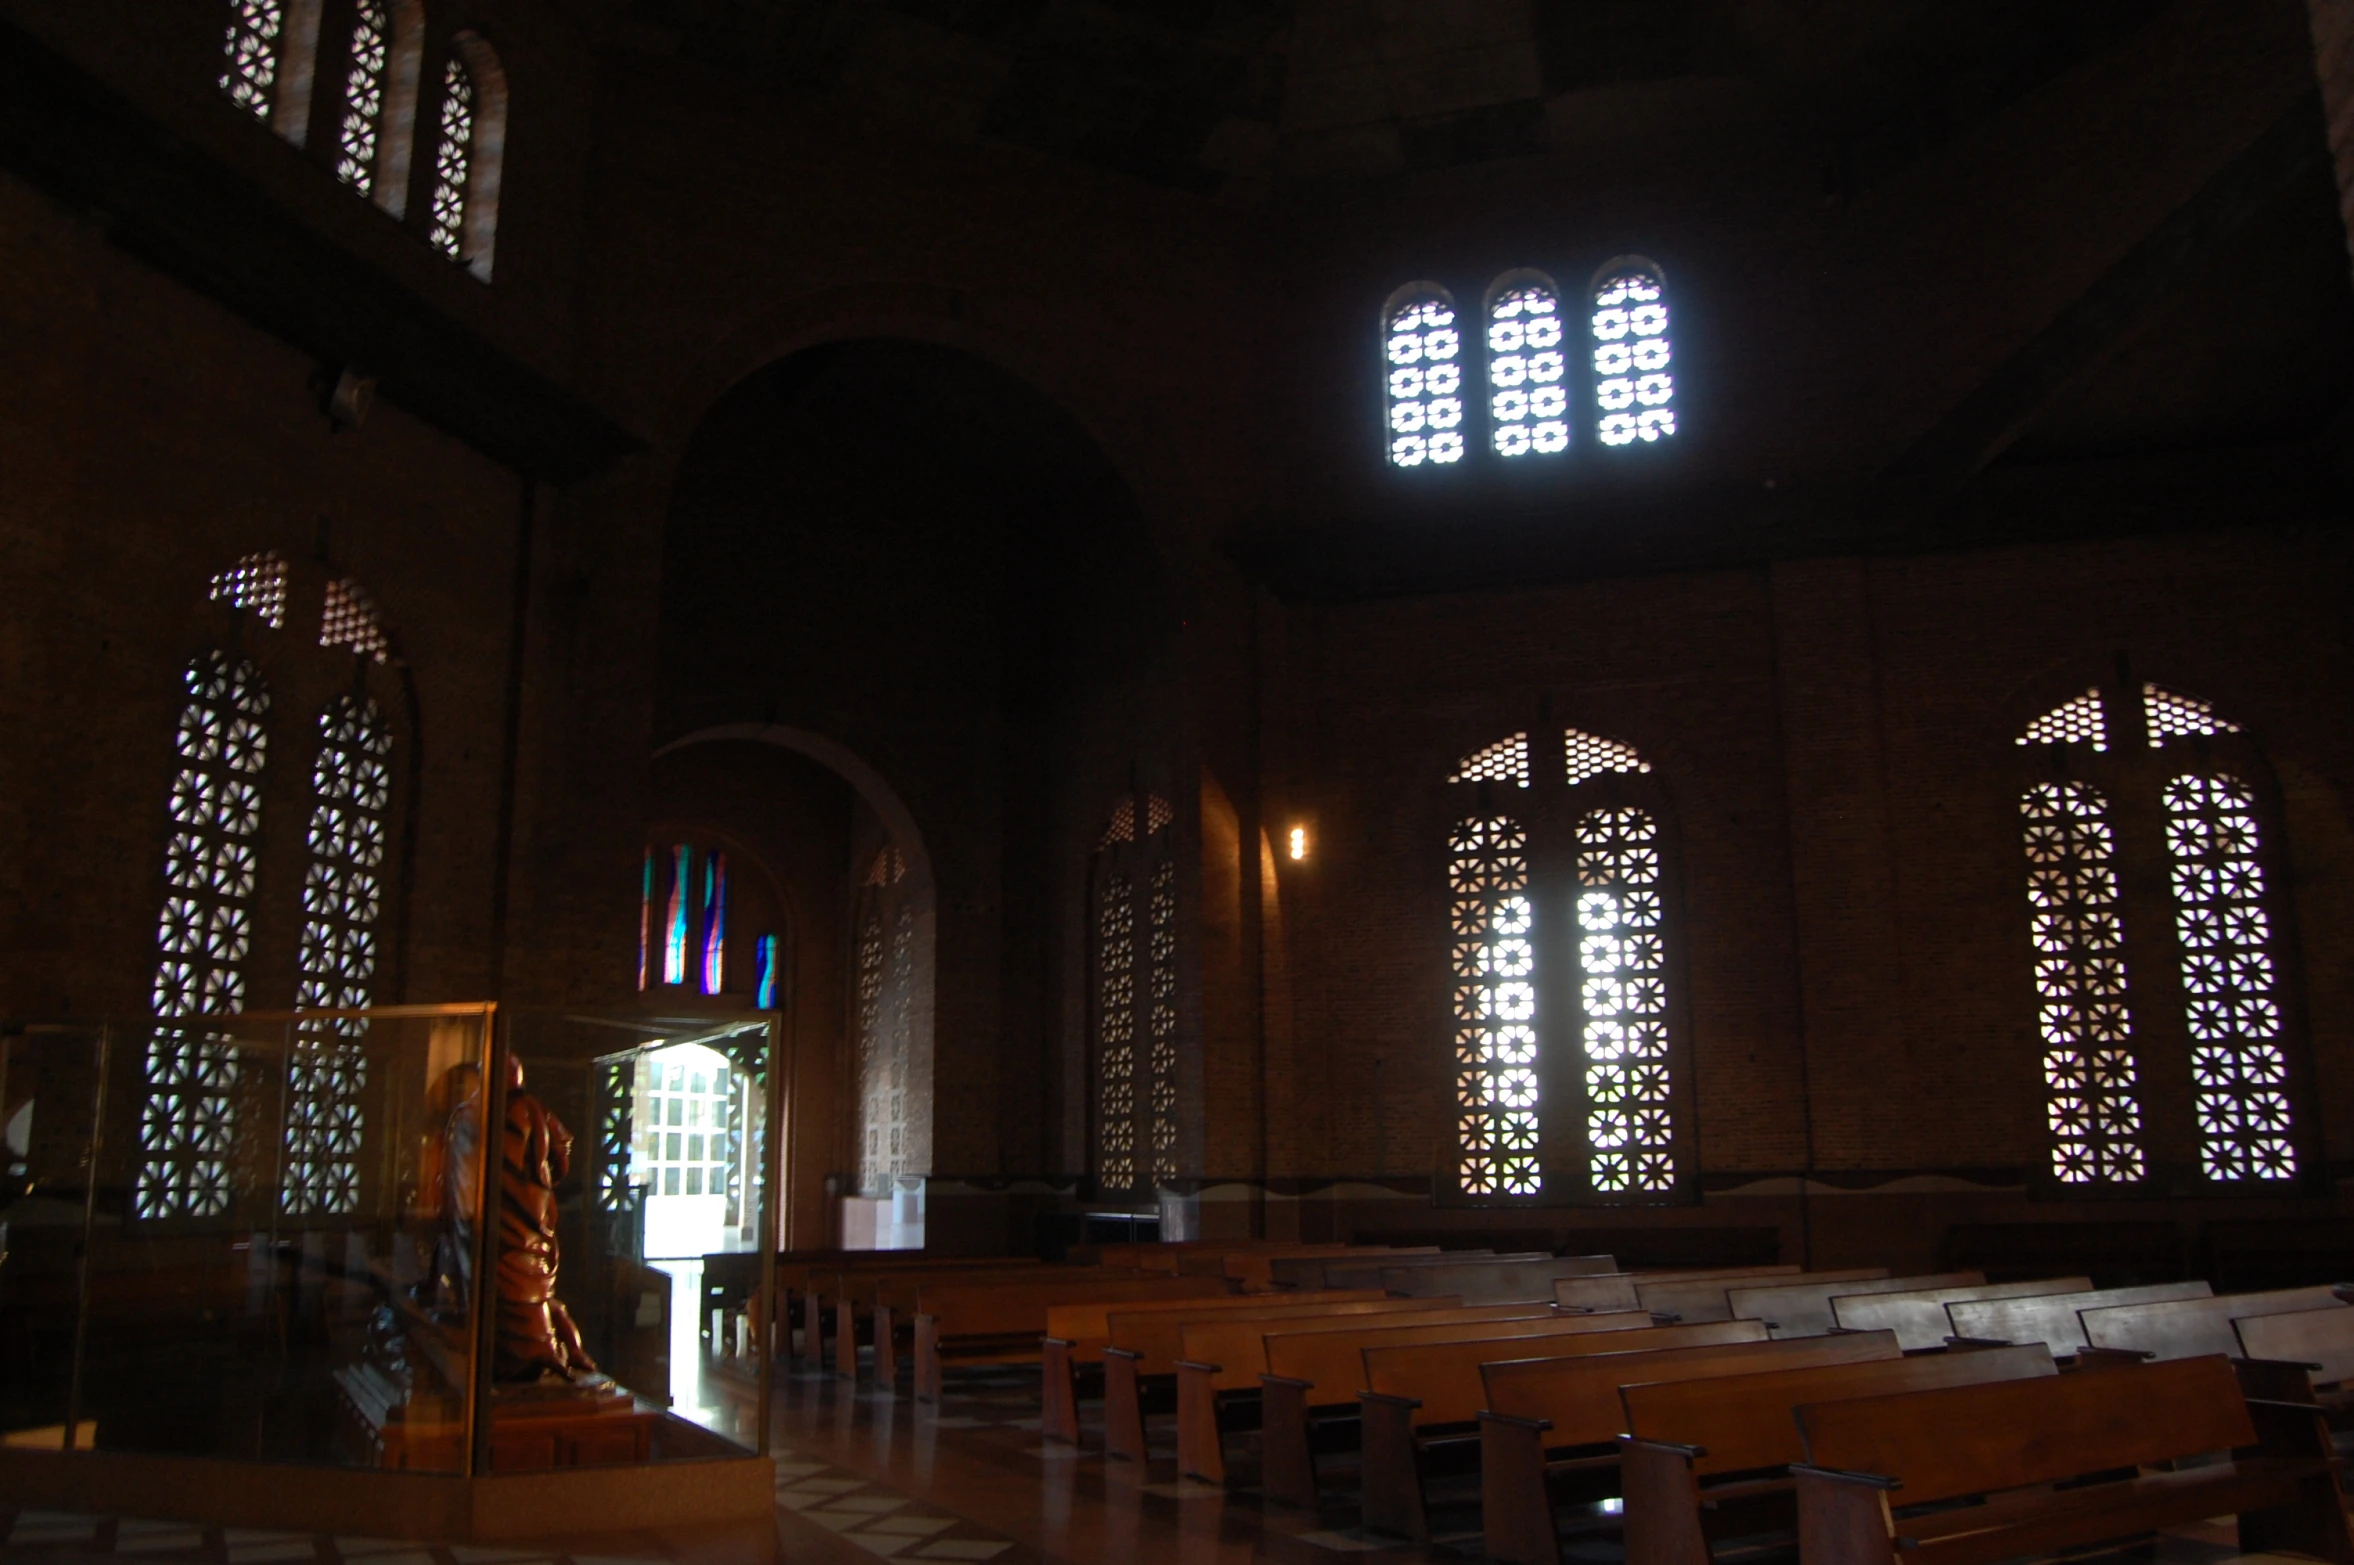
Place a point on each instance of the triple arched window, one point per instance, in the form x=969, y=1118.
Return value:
x=2168, y=1027
x=1569, y=1074
x=1133, y=958
x=215, y=903
x=1552, y=376
x=391, y=98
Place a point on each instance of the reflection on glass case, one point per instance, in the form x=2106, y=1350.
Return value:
x=289, y=1238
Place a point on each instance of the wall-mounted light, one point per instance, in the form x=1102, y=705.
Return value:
x=1299, y=842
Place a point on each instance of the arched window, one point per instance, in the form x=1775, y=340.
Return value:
x=886, y=1023
x=1423, y=351
x=2190, y=796
x=1528, y=384
x=366, y=74
x=469, y=155
x=188, y=1122
x=249, y=64
x=1134, y=947
x=1633, y=386
x=1561, y=982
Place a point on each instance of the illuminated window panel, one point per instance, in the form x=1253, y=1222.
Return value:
x=2173, y=715
x=187, y=1123
x=1157, y=813
x=1633, y=387
x=1630, y=1123
x=646, y=922
x=2091, y=1085
x=1591, y=755
x=351, y=790
x=1504, y=761
x=714, y=945
x=764, y=972
x=453, y=162
x=1496, y=1107
x=249, y=65
x=2078, y=720
x=256, y=584
x=1424, y=352
x=2239, y=1070
x=349, y=619
x=1161, y=1018
x=1528, y=392
x=1116, y=1004
x=674, y=917
x=363, y=96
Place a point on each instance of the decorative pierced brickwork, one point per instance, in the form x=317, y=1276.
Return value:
x=1528, y=391
x=363, y=96
x=453, y=161
x=1496, y=1091
x=1632, y=384
x=1157, y=814
x=2091, y=1086
x=256, y=584
x=1424, y=349
x=2171, y=714
x=1504, y=761
x=1630, y=1131
x=2079, y=720
x=349, y=619
x=1116, y=1032
x=249, y=66
x=1161, y=1018
x=1590, y=756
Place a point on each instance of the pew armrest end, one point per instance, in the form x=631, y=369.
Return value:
x=1287, y=1380
x=1385, y=1399
x=1842, y=1476
x=1536, y=1426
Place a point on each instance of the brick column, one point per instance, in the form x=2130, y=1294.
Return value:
x=2333, y=59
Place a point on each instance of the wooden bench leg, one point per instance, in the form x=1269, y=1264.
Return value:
x=1123, y=1407
x=2316, y=1523
x=1287, y=1463
x=1201, y=1452
x=1842, y=1520
x=1058, y=1413
x=1393, y=1468
x=1662, y=1502
x=927, y=1359
x=886, y=1350
x=845, y=1338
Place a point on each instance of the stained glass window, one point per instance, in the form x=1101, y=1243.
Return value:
x=1504, y=761
x=1495, y=1008
x=363, y=96
x=2172, y=714
x=453, y=161
x=256, y=584
x=674, y=917
x=2077, y=720
x=188, y=1121
x=646, y=922
x=714, y=952
x=1632, y=384
x=351, y=788
x=1528, y=389
x=1116, y=1006
x=1591, y=755
x=764, y=972
x=249, y=67
x=1161, y=1019
x=1425, y=391
x=2091, y=1083
x=1629, y=1120
x=2239, y=1071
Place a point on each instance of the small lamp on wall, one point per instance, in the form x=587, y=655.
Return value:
x=1295, y=842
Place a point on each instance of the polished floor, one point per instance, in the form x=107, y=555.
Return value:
x=865, y=1474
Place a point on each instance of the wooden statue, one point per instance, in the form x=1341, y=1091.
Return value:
x=536, y=1337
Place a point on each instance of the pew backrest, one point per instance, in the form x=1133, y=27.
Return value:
x=1918, y=1317
x=1088, y=1320
x=2008, y=1434
x=1741, y=1422
x=1364, y=1271
x=900, y=1289
x=1446, y=1377
x=1157, y=1338
x=1496, y=1281
x=1307, y=1271
x=1239, y=1348
x=2322, y=1338
x=1803, y=1309
x=1616, y=1290
x=960, y=1309
x=1580, y=1398
x=2050, y=1318
x=1334, y=1361
x=2191, y=1328
x=1707, y=1298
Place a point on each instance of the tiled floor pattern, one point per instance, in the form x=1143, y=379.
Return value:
x=51, y=1533
x=879, y=1520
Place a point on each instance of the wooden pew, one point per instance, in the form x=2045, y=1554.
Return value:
x=2190, y=1328
x=1366, y=1271
x=1312, y=1375
x=1882, y=1472
x=1255, y=1269
x=886, y=1297
x=1005, y=1323
x=1699, y=1456
x=1496, y=1280
x=1616, y=1290
x=1549, y=1420
x=1803, y=1309
x=1140, y=1362
x=1421, y=1410
x=1077, y=1334
x=803, y=1276
x=1918, y=1318
x=1220, y=1361
x=1307, y=1271
x=2300, y=1356
x=2050, y=1318
x=1707, y=1298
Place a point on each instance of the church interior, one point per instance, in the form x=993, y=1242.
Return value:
x=1560, y=781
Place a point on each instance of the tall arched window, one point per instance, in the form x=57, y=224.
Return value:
x=469, y=154
x=366, y=74
x=1134, y=950
x=188, y=1122
x=886, y=1023
x=1567, y=1081
x=1634, y=388
x=2190, y=797
x=1528, y=379
x=1423, y=351
x=249, y=64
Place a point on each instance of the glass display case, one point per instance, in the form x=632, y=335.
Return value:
x=437, y=1239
